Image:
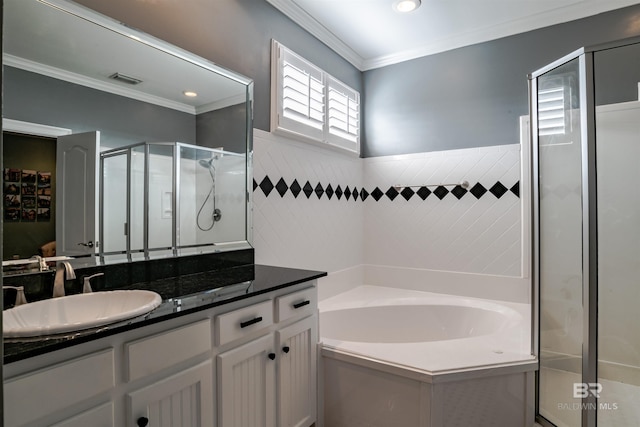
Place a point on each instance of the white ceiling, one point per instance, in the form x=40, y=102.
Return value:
x=370, y=34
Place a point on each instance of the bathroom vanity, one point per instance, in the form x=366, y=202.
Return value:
x=164, y=206
x=224, y=355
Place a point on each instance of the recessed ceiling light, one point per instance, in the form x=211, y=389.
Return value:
x=190, y=93
x=406, y=6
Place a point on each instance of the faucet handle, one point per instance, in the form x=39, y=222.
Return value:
x=20, y=297
x=42, y=263
x=86, y=288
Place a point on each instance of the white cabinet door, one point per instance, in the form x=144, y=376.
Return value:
x=297, y=353
x=183, y=399
x=246, y=385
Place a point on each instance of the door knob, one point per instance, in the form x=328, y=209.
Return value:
x=142, y=421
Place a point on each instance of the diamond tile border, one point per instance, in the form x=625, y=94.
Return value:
x=478, y=190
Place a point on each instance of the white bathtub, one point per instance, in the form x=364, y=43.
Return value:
x=424, y=358
x=432, y=332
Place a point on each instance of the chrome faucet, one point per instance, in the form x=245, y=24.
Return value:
x=86, y=288
x=20, y=298
x=63, y=272
x=42, y=264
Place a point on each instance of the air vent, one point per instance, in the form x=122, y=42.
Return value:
x=125, y=79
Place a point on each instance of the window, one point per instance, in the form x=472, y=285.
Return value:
x=551, y=109
x=309, y=104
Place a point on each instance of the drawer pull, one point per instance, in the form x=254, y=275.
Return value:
x=251, y=322
x=301, y=304
x=142, y=421
x=286, y=349
x=272, y=356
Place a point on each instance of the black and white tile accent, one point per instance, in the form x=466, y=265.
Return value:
x=322, y=210
x=338, y=192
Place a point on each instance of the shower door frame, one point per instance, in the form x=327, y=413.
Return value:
x=585, y=56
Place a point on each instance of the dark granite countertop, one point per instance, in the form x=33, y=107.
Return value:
x=181, y=295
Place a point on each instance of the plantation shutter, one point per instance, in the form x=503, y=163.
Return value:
x=302, y=95
x=310, y=105
x=343, y=110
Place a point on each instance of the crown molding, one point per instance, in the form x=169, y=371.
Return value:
x=548, y=18
x=319, y=31
x=575, y=11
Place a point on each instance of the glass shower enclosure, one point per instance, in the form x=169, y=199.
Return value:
x=586, y=162
x=166, y=199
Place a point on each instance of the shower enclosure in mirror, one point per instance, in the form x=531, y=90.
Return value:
x=171, y=199
x=586, y=129
x=77, y=84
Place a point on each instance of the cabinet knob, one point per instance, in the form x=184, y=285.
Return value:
x=286, y=349
x=142, y=421
x=272, y=356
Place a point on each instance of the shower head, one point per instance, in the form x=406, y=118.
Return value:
x=207, y=164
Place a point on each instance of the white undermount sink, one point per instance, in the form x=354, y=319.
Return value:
x=76, y=312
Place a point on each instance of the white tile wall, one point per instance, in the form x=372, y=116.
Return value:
x=303, y=232
x=469, y=235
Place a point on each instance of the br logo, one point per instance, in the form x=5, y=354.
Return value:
x=583, y=390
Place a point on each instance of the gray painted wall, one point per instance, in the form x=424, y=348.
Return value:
x=35, y=98
x=467, y=97
x=617, y=73
x=473, y=96
x=122, y=121
x=225, y=128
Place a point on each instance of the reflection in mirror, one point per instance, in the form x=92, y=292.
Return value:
x=172, y=196
x=68, y=70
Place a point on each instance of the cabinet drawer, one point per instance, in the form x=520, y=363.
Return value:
x=42, y=393
x=153, y=354
x=238, y=323
x=296, y=304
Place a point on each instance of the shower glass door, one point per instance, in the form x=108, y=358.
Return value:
x=586, y=112
x=560, y=249
x=616, y=74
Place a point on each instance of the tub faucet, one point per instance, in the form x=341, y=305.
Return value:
x=63, y=272
x=20, y=298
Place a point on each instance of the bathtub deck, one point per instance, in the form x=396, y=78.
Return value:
x=508, y=351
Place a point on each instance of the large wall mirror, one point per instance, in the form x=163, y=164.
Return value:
x=110, y=134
